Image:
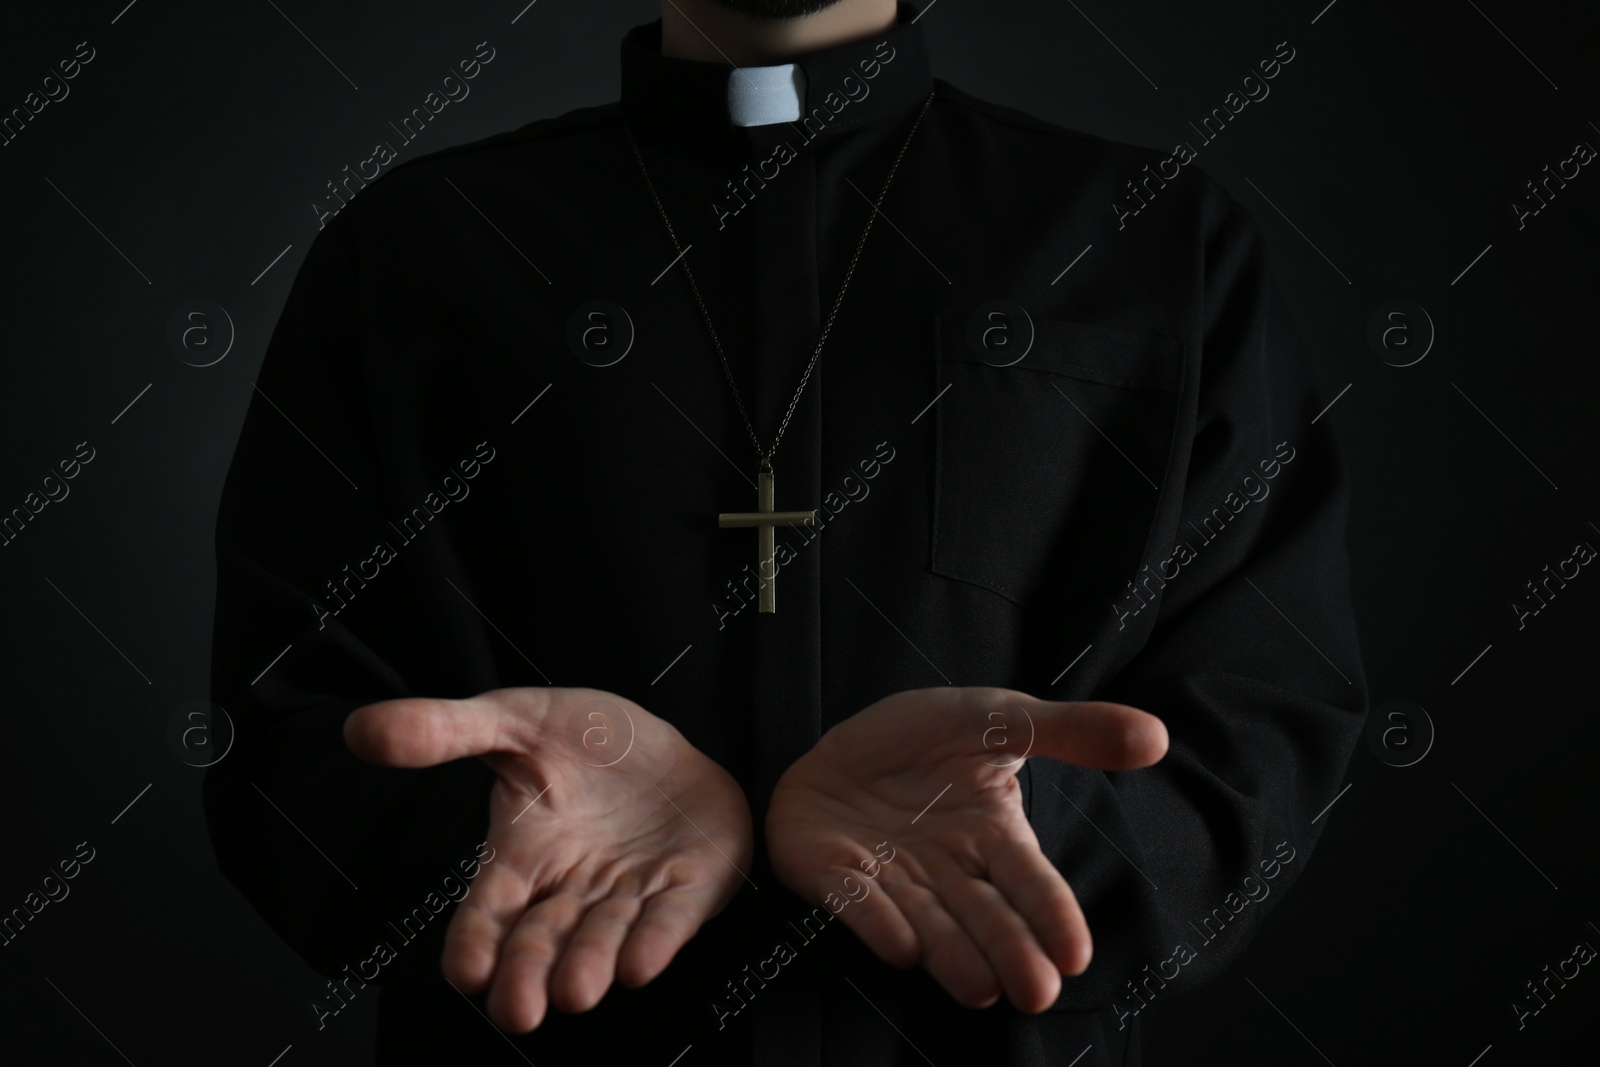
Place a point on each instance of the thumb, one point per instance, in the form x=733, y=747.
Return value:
x=1097, y=734
x=423, y=731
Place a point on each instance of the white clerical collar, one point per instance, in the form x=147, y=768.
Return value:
x=759, y=96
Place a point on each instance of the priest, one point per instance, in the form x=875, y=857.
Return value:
x=779, y=570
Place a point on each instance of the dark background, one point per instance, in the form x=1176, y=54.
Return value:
x=187, y=157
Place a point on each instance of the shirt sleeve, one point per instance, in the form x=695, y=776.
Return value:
x=1252, y=662
x=328, y=849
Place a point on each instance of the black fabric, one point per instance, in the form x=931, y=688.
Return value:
x=989, y=539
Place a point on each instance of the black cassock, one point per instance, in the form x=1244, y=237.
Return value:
x=449, y=483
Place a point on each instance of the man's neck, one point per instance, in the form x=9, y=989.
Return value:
x=705, y=30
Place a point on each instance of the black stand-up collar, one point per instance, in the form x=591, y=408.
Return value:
x=860, y=82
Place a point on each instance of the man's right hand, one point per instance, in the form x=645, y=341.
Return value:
x=614, y=840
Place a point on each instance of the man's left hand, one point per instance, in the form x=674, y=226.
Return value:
x=969, y=894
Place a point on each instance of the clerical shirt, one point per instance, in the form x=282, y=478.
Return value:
x=1053, y=445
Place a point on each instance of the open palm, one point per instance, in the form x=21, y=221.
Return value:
x=614, y=840
x=968, y=894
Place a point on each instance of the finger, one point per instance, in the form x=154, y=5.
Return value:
x=519, y=996
x=590, y=960
x=1035, y=888
x=669, y=919
x=423, y=732
x=480, y=926
x=875, y=918
x=1030, y=980
x=1097, y=734
x=947, y=952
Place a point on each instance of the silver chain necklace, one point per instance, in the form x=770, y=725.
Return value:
x=766, y=518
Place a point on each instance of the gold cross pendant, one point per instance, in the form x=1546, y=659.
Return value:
x=766, y=521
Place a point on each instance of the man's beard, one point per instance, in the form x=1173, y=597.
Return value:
x=776, y=9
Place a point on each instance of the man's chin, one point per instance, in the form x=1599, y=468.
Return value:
x=774, y=10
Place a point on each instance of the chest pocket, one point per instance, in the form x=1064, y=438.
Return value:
x=1047, y=470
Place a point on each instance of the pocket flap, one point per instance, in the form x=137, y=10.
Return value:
x=1109, y=355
